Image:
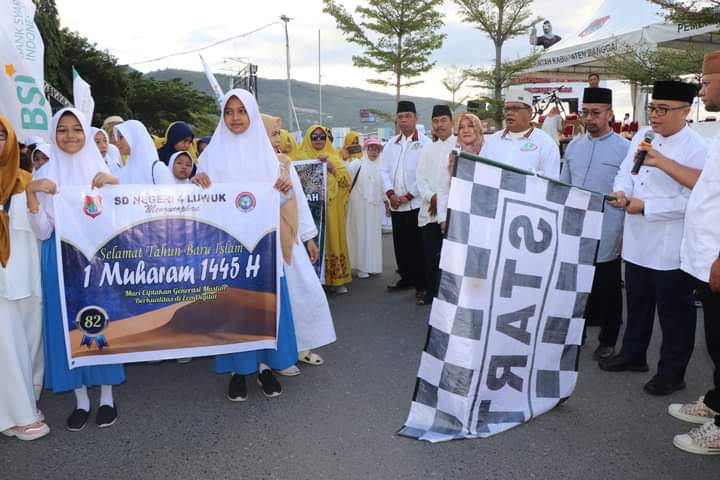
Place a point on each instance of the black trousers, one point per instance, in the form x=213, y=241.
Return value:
x=432, y=244
x=604, y=305
x=711, y=313
x=672, y=293
x=407, y=240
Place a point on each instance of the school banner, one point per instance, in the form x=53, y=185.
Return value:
x=161, y=272
x=506, y=326
x=22, y=80
x=313, y=176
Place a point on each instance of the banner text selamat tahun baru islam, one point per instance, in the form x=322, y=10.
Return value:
x=160, y=272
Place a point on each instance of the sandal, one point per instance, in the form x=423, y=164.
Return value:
x=28, y=432
x=310, y=358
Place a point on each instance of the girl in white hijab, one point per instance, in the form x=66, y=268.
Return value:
x=40, y=155
x=181, y=166
x=143, y=165
x=240, y=151
x=74, y=160
x=109, y=152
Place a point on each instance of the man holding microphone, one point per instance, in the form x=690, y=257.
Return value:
x=655, y=206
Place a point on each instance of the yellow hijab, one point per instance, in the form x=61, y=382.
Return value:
x=287, y=139
x=12, y=180
x=306, y=151
x=350, y=138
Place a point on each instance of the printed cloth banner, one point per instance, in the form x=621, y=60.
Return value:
x=160, y=272
x=313, y=176
x=82, y=95
x=506, y=326
x=22, y=80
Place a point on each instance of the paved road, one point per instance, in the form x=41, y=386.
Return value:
x=339, y=421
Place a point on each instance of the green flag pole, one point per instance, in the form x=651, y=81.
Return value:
x=511, y=168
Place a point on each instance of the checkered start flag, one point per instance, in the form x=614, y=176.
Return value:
x=506, y=326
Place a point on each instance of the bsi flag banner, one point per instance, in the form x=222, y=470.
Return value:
x=22, y=80
x=506, y=326
x=153, y=273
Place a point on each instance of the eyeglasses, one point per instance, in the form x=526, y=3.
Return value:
x=662, y=110
x=316, y=137
x=592, y=113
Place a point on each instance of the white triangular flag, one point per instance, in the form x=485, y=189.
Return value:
x=82, y=96
x=213, y=81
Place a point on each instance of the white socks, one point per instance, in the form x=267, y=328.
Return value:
x=82, y=399
x=106, y=396
x=262, y=367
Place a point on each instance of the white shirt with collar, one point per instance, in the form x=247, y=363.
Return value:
x=398, y=164
x=701, y=239
x=432, y=172
x=652, y=239
x=534, y=150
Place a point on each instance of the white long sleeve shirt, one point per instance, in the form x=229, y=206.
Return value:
x=701, y=238
x=432, y=172
x=398, y=165
x=653, y=240
x=534, y=151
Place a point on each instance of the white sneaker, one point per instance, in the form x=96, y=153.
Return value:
x=363, y=274
x=696, y=412
x=28, y=433
x=291, y=371
x=704, y=440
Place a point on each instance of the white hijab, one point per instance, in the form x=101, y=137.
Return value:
x=143, y=166
x=76, y=169
x=369, y=183
x=248, y=156
x=112, y=156
x=171, y=166
x=45, y=148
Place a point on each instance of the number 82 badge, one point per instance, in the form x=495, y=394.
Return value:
x=92, y=321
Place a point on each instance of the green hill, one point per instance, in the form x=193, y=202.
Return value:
x=341, y=105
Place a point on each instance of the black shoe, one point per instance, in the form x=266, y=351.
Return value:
x=399, y=285
x=270, y=386
x=106, y=416
x=621, y=363
x=77, y=420
x=658, y=386
x=237, y=391
x=602, y=352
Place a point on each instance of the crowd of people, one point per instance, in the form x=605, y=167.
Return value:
x=661, y=224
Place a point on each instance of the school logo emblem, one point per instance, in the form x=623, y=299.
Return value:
x=594, y=26
x=245, y=202
x=92, y=205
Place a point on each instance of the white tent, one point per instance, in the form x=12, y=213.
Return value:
x=616, y=25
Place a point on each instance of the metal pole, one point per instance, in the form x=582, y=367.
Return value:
x=320, y=79
x=286, y=19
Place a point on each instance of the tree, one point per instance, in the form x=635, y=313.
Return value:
x=397, y=37
x=454, y=81
x=694, y=12
x=501, y=20
x=645, y=66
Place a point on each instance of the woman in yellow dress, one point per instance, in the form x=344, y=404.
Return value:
x=315, y=145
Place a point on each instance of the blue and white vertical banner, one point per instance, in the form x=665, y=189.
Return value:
x=313, y=176
x=22, y=79
x=517, y=267
x=160, y=272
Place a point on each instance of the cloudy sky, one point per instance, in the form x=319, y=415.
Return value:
x=138, y=30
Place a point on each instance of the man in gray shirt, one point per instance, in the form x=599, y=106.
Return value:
x=592, y=161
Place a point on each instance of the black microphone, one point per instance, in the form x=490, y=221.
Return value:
x=641, y=154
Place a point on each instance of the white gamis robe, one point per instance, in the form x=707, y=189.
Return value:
x=21, y=350
x=364, y=222
x=314, y=326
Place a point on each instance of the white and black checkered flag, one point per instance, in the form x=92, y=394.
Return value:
x=505, y=328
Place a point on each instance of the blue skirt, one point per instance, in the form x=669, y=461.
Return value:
x=246, y=363
x=58, y=376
